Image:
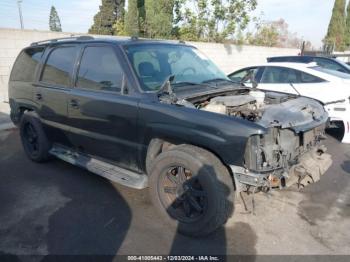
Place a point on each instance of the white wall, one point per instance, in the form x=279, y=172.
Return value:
x=228, y=57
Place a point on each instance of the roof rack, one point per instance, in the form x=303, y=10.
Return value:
x=50, y=41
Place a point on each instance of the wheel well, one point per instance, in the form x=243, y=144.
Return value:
x=16, y=114
x=157, y=146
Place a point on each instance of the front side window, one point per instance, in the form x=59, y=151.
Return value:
x=59, y=66
x=244, y=76
x=100, y=70
x=26, y=63
x=153, y=63
x=279, y=75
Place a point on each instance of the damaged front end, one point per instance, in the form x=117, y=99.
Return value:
x=290, y=151
x=282, y=158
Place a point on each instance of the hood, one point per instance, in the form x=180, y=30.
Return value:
x=265, y=108
x=298, y=114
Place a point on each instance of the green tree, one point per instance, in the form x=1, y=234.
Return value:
x=119, y=28
x=111, y=11
x=336, y=28
x=347, y=27
x=266, y=35
x=135, y=17
x=159, y=18
x=54, y=21
x=214, y=20
x=274, y=34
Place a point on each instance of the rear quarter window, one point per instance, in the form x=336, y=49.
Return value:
x=26, y=63
x=307, y=78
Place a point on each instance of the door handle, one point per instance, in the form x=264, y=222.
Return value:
x=38, y=96
x=74, y=103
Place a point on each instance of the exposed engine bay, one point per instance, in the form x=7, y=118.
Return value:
x=267, y=109
x=290, y=151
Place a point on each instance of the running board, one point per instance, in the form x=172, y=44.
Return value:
x=104, y=169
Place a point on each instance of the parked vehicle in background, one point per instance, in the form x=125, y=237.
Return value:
x=325, y=62
x=161, y=115
x=330, y=87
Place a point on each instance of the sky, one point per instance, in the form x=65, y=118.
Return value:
x=308, y=18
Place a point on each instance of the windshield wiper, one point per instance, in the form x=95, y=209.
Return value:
x=194, y=84
x=218, y=80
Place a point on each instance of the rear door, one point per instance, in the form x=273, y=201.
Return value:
x=52, y=89
x=103, y=120
x=289, y=80
x=314, y=87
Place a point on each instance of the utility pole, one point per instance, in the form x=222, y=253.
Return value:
x=20, y=13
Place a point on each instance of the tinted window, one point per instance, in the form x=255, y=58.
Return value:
x=279, y=75
x=331, y=72
x=59, y=66
x=291, y=59
x=100, y=70
x=25, y=65
x=307, y=78
x=329, y=64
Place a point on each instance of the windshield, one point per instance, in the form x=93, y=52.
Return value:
x=331, y=72
x=154, y=63
x=343, y=64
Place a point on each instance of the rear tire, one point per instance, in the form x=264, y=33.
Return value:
x=192, y=190
x=34, y=140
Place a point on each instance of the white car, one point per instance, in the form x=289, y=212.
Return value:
x=332, y=88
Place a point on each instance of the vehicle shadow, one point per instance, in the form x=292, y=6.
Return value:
x=337, y=133
x=238, y=240
x=5, y=121
x=95, y=221
x=346, y=166
x=58, y=211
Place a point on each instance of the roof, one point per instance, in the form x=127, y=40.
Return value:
x=113, y=39
x=284, y=64
x=302, y=57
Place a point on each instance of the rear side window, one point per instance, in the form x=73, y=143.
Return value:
x=59, y=66
x=26, y=63
x=100, y=70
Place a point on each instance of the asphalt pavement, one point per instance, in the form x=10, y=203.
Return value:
x=57, y=208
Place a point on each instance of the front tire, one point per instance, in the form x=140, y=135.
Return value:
x=34, y=140
x=192, y=190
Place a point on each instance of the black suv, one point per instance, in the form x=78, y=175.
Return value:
x=161, y=115
x=326, y=62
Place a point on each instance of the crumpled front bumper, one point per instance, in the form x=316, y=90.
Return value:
x=309, y=169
